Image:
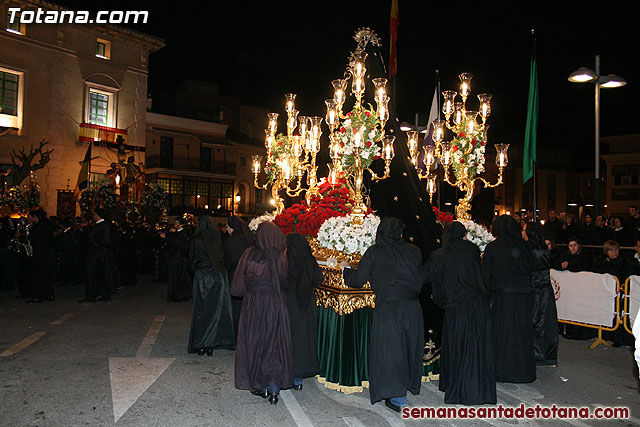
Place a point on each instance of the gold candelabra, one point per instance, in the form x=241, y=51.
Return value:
x=355, y=136
x=465, y=153
x=289, y=156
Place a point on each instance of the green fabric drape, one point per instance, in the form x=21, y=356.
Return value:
x=343, y=346
x=343, y=350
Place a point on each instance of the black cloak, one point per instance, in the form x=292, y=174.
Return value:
x=392, y=267
x=304, y=275
x=211, y=321
x=467, y=361
x=506, y=268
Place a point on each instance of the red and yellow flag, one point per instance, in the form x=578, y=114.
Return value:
x=393, y=31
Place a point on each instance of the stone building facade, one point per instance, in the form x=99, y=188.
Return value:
x=77, y=84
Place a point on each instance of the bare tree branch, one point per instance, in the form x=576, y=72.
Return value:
x=22, y=162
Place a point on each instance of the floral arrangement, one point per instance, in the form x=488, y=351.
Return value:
x=332, y=200
x=154, y=199
x=289, y=220
x=467, y=151
x=255, y=222
x=442, y=217
x=365, y=122
x=14, y=200
x=103, y=194
x=337, y=233
x=32, y=197
x=477, y=234
x=281, y=150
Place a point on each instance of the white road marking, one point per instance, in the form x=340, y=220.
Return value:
x=62, y=319
x=131, y=377
x=363, y=403
x=22, y=344
x=352, y=422
x=150, y=339
x=295, y=409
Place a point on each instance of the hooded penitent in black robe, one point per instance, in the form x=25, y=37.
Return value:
x=211, y=321
x=545, y=315
x=506, y=268
x=39, y=265
x=234, y=246
x=178, y=276
x=99, y=268
x=392, y=267
x=467, y=360
x=127, y=257
x=68, y=261
x=263, y=349
x=304, y=275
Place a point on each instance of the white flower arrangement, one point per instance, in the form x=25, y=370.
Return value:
x=255, y=222
x=337, y=233
x=477, y=234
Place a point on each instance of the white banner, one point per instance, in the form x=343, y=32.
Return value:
x=634, y=298
x=585, y=297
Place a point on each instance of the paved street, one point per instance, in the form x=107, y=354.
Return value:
x=125, y=363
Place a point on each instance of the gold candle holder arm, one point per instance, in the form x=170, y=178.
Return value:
x=387, y=172
x=258, y=186
x=487, y=184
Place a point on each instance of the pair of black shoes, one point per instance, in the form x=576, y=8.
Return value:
x=33, y=300
x=87, y=300
x=202, y=351
x=271, y=397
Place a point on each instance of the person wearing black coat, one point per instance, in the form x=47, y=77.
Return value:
x=211, y=321
x=99, y=279
x=392, y=267
x=39, y=285
x=553, y=226
x=304, y=275
x=178, y=274
x=545, y=314
x=612, y=263
x=467, y=362
x=575, y=259
x=632, y=265
x=506, y=267
x=236, y=239
x=127, y=256
x=69, y=264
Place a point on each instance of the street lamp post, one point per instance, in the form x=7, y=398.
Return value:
x=585, y=75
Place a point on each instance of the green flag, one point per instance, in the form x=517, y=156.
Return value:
x=530, y=133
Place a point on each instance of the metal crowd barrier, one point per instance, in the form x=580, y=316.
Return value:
x=600, y=328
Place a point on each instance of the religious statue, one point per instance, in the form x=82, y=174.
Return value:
x=131, y=170
x=141, y=181
x=3, y=180
x=114, y=175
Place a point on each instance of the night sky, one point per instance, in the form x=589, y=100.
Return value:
x=261, y=50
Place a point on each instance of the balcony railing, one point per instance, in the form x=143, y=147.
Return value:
x=190, y=165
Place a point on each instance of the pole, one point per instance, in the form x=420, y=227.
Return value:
x=535, y=195
x=596, y=192
x=439, y=112
x=439, y=91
